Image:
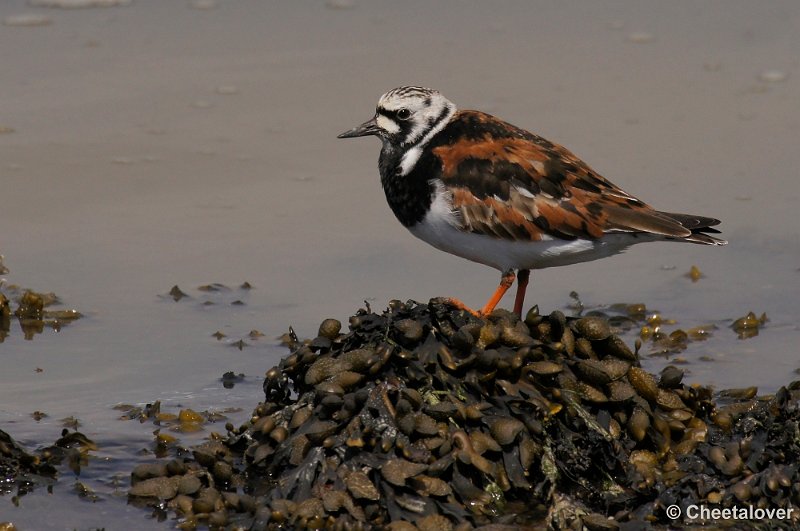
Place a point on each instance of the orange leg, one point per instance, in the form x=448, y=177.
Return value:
x=456, y=303
x=506, y=282
x=522, y=285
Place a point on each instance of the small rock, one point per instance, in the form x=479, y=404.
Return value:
x=161, y=487
x=148, y=470
x=189, y=484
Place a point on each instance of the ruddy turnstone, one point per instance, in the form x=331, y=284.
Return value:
x=480, y=188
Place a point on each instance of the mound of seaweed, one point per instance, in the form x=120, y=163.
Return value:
x=423, y=417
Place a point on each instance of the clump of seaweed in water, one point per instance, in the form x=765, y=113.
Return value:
x=33, y=310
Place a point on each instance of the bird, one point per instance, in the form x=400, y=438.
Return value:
x=475, y=186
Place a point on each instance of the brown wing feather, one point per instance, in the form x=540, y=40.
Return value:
x=510, y=220
x=509, y=183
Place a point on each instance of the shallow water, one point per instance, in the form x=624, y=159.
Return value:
x=155, y=144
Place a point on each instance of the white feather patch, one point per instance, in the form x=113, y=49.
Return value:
x=387, y=124
x=409, y=160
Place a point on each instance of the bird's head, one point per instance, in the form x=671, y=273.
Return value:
x=405, y=115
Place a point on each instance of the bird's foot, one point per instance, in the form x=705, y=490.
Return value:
x=450, y=301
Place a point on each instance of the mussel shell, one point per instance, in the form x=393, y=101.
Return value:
x=505, y=429
x=330, y=328
x=638, y=423
x=671, y=377
x=360, y=486
x=620, y=391
x=669, y=400
x=592, y=328
x=644, y=383
x=545, y=368
x=397, y=471
x=589, y=393
x=615, y=346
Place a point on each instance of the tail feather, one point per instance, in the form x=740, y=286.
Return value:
x=700, y=226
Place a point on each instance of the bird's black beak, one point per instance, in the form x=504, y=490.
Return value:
x=370, y=127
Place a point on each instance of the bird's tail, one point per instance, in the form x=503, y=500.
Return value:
x=700, y=226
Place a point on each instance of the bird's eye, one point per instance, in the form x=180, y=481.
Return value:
x=404, y=114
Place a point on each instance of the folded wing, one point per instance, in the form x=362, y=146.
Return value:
x=508, y=183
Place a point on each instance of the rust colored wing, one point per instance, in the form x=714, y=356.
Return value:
x=512, y=184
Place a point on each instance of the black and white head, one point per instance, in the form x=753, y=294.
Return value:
x=406, y=117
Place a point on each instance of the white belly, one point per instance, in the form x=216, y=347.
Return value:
x=439, y=228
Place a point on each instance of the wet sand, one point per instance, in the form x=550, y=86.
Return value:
x=155, y=144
